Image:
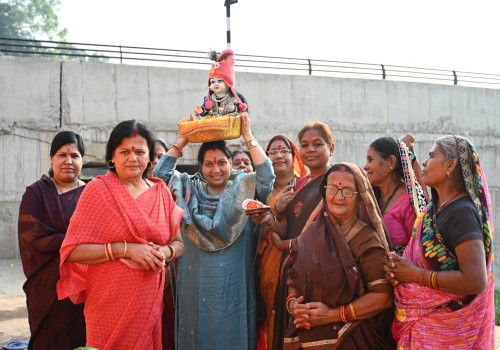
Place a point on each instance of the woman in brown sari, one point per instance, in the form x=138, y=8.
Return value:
x=46, y=208
x=338, y=297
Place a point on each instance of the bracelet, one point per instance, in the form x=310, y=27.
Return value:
x=177, y=148
x=274, y=223
x=173, y=253
x=433, y=280
x=110, y=252
x=353, y=314
x=106, y=252
x=291, y=297
x=125, y=250
x=275, y=212
x=342, y=314
x=290, y=246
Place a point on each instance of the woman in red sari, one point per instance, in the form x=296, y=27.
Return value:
x=444, y=282
x=124, y=231
x=44, y=215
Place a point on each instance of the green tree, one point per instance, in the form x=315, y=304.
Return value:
x=30, y=19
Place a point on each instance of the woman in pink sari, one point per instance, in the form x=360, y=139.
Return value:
x=444, y=283
x=124, y=231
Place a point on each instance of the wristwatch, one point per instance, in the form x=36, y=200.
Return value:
x=252, y=143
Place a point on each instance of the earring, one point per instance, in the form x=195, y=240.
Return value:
x=448, y=174
x=110, y=164
x=390, y=169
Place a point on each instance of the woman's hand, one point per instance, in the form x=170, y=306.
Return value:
x=285, y=198
x=148, y=255
x=408, y=140
x=308, y=315
x=282, y=245
x=246, y=131
x=262, y=218
x=400, y=270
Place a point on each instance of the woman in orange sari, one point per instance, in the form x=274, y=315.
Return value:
x=287, y=167
x=124, y=231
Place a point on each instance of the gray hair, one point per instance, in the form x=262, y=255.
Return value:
x=449, y=146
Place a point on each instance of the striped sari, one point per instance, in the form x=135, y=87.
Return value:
x=423, y=316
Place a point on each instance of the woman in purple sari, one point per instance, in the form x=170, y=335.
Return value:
x=44, y=215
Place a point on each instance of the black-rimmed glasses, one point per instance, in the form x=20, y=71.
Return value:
x=346, y=192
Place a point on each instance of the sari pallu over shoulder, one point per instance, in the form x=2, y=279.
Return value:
x=419, y=308
x=133, y=296
x=322, y=249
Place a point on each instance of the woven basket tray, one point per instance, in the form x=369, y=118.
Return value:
x=211, y=129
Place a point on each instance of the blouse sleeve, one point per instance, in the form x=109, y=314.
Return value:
x=265, y=178
x=165, y=168
x=371, y=257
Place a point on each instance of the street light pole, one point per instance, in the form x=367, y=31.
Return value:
x=228, y=4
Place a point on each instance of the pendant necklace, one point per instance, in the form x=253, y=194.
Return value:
x=388, y=200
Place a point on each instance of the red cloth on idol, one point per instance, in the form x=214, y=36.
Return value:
x=123, y=302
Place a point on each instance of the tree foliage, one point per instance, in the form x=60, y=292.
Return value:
x=30, y=19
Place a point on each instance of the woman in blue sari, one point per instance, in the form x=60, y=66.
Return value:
x=215, y=287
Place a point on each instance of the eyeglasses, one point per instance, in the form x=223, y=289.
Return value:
x=283, y=151
x=346, y=192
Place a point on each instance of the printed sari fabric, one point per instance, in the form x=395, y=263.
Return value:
x=428, y=317
x=123, y=302
x=43, y=220
x=336, y=270
x=216, y=301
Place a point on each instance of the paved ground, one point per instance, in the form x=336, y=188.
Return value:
x=13, y=315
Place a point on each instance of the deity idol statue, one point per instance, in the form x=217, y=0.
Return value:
x=222, y=99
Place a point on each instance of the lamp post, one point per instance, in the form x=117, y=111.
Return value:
x=228, y=4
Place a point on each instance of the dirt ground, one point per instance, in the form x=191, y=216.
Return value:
x=13, y=315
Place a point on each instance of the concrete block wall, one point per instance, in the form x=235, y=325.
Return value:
x=39, y=97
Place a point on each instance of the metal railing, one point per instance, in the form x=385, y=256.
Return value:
x=250, y=63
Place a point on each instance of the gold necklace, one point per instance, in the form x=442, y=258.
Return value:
x=59, y=191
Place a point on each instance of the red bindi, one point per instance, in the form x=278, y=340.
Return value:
x=279, y=147
x=215, y=160
x=134, y=133
x=69, y=150
x=133, y=149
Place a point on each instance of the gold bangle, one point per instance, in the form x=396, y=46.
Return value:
x=288, y=305
x=274, y=223
x=290, y=246
x=125, y=250
x=106, y=251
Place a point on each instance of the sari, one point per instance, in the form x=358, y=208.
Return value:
x=334, y=269
x=216, y=301
x=428, y=317
x=123, y=301
x=43, y=221
x=400, y=218
x=300, y=212
x=269, y=257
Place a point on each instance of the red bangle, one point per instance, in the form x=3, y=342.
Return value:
x=177, y=148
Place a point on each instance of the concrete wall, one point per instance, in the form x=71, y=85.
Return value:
x=39, y=97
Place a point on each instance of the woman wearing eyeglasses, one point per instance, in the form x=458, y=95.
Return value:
x=301, y=205
x=287, y=167
x=337, y=293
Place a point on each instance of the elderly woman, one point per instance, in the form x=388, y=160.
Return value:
x=124, y=231
x=444, y=281
x=288, y=167
x=338, y=297
x=44, y=215
x=216, y=293
x=400, y=197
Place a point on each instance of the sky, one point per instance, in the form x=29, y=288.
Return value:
x=441, y=34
